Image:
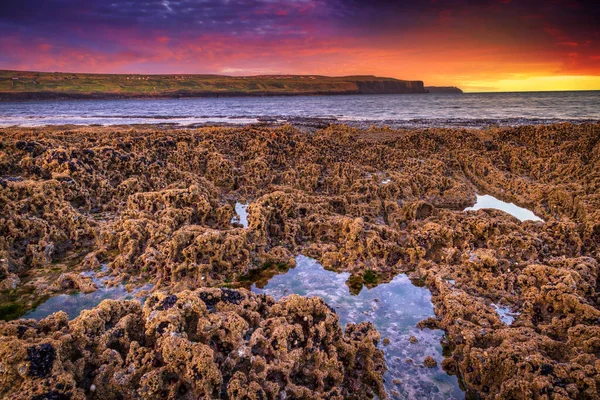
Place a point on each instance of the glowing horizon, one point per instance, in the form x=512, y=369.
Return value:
x=480, y=46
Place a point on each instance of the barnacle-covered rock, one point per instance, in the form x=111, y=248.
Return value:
x=156, y=205
x=207, y=343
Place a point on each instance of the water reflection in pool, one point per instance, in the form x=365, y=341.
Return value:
x=242, y=214
x=394, y=308
x=487, y=201
x=506, y=315
x=73, y=304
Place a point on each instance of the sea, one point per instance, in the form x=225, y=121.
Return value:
x=470, y=110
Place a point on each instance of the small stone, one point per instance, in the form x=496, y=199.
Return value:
x=397, y=381
x=93, y=388
x=386, y=341
x=429, y=362
x=413, y=339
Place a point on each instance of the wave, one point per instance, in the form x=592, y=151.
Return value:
x=179, y=120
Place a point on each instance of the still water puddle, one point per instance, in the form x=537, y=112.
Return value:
x=506, y=315
x=394, y=309
x=487, y=201
x=73, y=304
x=242, y=214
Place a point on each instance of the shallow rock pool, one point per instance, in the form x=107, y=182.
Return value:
x=506, y=315
x=394, y=309
x=73, y=304
x=241, y=216
x=487, y=201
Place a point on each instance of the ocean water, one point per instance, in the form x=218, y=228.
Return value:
x=413, y=110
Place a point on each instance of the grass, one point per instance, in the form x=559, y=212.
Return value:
x=161, y=85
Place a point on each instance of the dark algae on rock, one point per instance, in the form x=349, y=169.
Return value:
x=155, y=205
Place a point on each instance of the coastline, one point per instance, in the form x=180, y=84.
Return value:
x=469, y=111
x=39, y=96
x=312, y=123
x=30, y=85
x=155, y=204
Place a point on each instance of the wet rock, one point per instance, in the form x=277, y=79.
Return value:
x=155, y=204
x=41, y=360
x=73, y=282
x=429, y=362
x=167, y=302
x=121, y=350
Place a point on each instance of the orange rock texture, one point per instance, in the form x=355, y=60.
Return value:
x=155, y=204
x=208, y=343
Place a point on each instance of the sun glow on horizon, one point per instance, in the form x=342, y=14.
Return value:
x=555, y=83
x=478, y=46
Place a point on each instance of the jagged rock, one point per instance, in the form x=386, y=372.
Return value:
x=206, y=343
x=156, y=205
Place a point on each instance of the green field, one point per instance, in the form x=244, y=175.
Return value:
x=41, y=84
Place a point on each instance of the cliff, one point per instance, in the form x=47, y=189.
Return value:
x=23, y=85
x=390, y=87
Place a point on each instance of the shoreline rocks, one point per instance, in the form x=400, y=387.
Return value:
x=195, y=344
x=156, y=205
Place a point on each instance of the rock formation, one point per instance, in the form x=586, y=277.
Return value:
x=210, y=343
x=155, y=204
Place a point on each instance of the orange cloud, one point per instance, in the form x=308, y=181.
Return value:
x=456, y=48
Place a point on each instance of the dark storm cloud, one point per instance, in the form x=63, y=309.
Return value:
x=579, y=17
x=238, y=17
x=322, y=35
x=177, y=16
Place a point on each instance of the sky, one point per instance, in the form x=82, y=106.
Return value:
x=477, y=45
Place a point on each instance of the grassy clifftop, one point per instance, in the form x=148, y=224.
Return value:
x=31, y=85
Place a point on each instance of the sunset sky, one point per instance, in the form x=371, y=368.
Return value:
x=498, y=45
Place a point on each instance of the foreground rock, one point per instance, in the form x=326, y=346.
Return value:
x=207, y=343
x=156, y=205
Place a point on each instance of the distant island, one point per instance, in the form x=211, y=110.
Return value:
x=27, y=85
x=443, y=89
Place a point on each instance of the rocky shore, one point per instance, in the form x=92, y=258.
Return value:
x=155, y=205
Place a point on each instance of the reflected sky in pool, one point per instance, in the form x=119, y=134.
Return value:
x=73, y=304
x=242, y=214
x=394, y=308
x=487, y=201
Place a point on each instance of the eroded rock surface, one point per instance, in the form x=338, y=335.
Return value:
x=156, y=205
x=208, y=343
